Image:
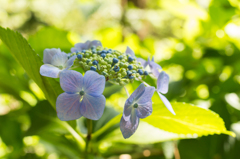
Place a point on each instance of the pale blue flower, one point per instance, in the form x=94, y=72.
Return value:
x=55, y=61
x=162, y=87
x=82, y=96
x=138, y=105
x=130, y=52
x=79, y=47
x=154, y=67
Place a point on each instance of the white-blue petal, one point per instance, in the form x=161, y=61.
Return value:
x=94, y=83
x=59, y=59
x=71, y=81
x=154, y=68
x=67, y=106
x=143, y=62
x=70, y=62
x=127, y=110
x=144, y=110
x=48, y=55
x=146, y=96
x=95, y=43
x=49, y=71
x=128, y=127
x=166, y=103
x=129, y=52
x=136, y=94
x=92, y=107
x=81, y=46
x=162, y=82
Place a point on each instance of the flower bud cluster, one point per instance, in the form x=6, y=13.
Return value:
x=116, y=66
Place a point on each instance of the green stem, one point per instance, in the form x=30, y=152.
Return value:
x=76, y=136
x=89, y=134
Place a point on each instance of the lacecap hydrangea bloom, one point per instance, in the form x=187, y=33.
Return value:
x=83, y=93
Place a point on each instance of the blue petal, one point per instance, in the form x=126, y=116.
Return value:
x=128, y=107
x=59, y=59
x=136, y=94
x=152, y=59
x=70, y=62
x=166, y=103
x=81, y=46
x=129, y=52
x=92, y=107
x=162, y=82
x=144, y=110
x=67, y=106
x=143, y=62
x=48, y=54
x=128, y=127
x=94, y=83
x=49, y=71
x=154, y=68
x=71, y=81
x=146, y=96
x=95, y=43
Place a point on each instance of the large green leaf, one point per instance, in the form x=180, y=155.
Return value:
x=49, y=37
x=145, y=134
x=189, y=120
x=31, y=62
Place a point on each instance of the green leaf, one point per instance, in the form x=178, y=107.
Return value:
x=31, y=62
x=189, y=120
x=145, y=134
x=49, y=38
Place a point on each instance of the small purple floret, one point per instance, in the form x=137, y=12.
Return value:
x=138, y=105
x=82, y=96
x=55, y=61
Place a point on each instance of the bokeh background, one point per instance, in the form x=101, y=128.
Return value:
x=195, y=41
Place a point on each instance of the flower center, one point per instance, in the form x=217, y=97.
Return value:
x=60, y=67
x=135, y=105
x=81, y=93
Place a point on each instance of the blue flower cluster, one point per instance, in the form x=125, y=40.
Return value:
x=83, y=94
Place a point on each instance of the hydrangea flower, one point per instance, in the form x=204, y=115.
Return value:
x=79, y=47
x=138, y=105
x=55, y=61
x=82, y=96
x=130, y=52
x=162, y=87
x=154, y=67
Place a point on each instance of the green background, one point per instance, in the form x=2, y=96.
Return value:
x=196, y=42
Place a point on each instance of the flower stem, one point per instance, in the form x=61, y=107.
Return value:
x=89, y=134
x=144, y=82
x=126, y=90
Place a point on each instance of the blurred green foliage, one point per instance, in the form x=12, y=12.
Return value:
x=196, y=42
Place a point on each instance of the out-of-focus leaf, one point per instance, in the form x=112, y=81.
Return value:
x=145, y=134
x=31, y=62
x=11, y=134
x=189, y=120
x=41, y=116
x=49, y=38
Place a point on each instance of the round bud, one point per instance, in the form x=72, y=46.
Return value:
x=145, y=73
x=140, y=72
x=120, y=57
x=115, y=60
x=88, y=60
x=93, y=68
x=130, y=67
x=130, y=59
x=79, y=57
x=103, y=55
x=95, y=62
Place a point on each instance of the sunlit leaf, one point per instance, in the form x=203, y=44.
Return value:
x=189, y=120
x=31, y=62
